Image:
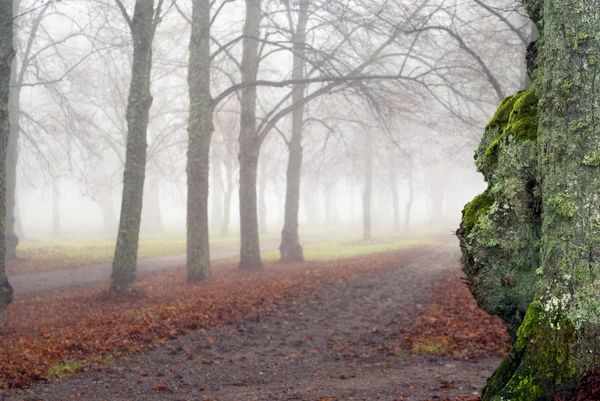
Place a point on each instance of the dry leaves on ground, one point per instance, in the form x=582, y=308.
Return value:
x=91, y=326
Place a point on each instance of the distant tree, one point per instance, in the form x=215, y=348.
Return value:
x=7, y=54
x=142, y=24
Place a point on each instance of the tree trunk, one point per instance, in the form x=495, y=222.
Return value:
x=249, y=141
x=152, y=221
x=124, y=264
x=262, y=198
x=14, y=111
x=12, y=238
x=227, y=203
x=559, y=338
x=290, y=247
x=368, y=190
x=411, y=195
x=394, y=190
x=331, y=212
x=200, y=129
x=56, y=229
x=217, y=196
x=311, y=208
x=7, y=54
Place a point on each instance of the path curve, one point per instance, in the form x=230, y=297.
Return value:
x=33, y=284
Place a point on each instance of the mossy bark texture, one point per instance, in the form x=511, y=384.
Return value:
x=557, y=340
x=143, y=28
x=200, y=129
x=7, y=54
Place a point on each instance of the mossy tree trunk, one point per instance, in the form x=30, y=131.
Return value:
x=200, y=129
x=7, y=54
x=290, y=247
x=249, y=141
x=143, y=26
x=558, y=339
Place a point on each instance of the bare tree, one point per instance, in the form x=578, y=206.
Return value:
x=143, y=24
x=7, y=54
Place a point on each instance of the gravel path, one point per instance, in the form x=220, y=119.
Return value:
x=32, y=284
x=332, y=346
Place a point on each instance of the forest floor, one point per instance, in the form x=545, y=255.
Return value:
x=393, y=326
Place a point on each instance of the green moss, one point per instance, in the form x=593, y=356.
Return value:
x=563, y=205
x=503, y=112
x=473, y=210
x=592, y=159
x=523, y=120
x=501, y=376
x=517, y=116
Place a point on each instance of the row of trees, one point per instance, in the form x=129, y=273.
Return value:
x=270, y=63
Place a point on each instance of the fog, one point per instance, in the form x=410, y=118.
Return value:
x=74, y=63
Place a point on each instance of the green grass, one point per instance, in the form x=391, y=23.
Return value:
x=100, y=250
x=46, y=255
x=63, y=369
x=348, y=248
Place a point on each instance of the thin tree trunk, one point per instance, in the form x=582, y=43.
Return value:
x=12, y=238
x=152, y=221
x=290, y=247
x=7, y=54
x=262, y=198
x=394, y=190
x=143, y=27
x=411, y=195
x=331, y=212
x=227, y=203
x=109, y=215
x=200, y=129
x=368, y=190
x=249, y=142
x=56, y=228
x=217, y=195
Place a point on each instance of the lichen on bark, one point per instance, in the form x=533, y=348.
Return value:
x=558, y=338
x=500, y=229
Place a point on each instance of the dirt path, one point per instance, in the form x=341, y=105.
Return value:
x=27, y=285
x=334, y=346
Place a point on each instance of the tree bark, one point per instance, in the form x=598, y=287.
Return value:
x=559, y=338
x=7, y=54
x=12, y=238
x=200, y=129
x=290, y=247
x=249, y=141
x=143, y=28
x=411, y=195
x=368, y=190
x=262, y=198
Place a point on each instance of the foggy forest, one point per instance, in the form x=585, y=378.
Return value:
x=319, y=200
